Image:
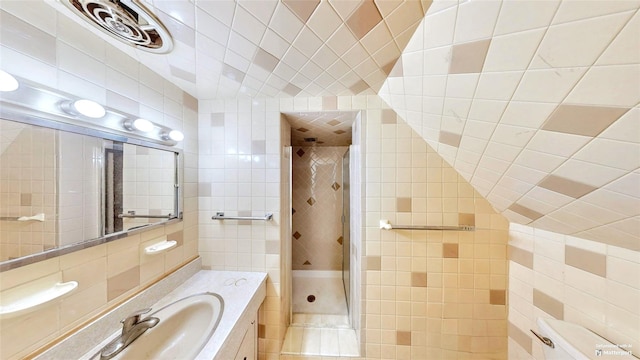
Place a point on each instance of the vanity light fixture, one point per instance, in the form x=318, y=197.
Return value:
x=140, y=124
x=174, y=135
x=8, y=82
x=84, y=107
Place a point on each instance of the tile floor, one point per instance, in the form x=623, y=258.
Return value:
x=320, y=335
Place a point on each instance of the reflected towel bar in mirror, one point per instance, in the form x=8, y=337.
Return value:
x=385, y=225
x=145, y=216
x=220, y=216
x=36, y=217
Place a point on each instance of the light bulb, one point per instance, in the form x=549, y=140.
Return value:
x=8, y=82
x=143, y=125
x=89, y=108
x=176, y=135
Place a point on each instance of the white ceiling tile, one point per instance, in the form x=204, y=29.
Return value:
x=577, y=43
x=222, y=10
x=588, y=173
x=551, y=224
x=436, y=61
x=590, y=211
x=459, y=85
x=575, y=10
x=387, y=54
x=285, y=23
x=209, y=48
x=478, y=129
x=476, y=20
x=487, y=110
x=539, y=160
x=525, y=174
x=628, y=185
x=212, y=28
x=512, y=51
x=536, y=204
x=236, y=60
x=500, y=166
x=432, y=105
x=615, y=85
x=179, y=10
x=498, y=86
x=578, y=223
x=248, y=26
x=307, y=42
x=456, y=108
x=512, y=135
x=294, y=58
x=549, y=85
x=439, y=28
x=553, y=198
x=524, y=15
x=502, y=151
x=556, y=143
x=241, y=46
x=342, y=40
x=260, y=9
x=515, y=217
x=324, y=21
x=527, y=114
x=623, y=49
x=612, y=200
x=618, y=154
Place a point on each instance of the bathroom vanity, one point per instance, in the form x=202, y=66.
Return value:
x=234, y=337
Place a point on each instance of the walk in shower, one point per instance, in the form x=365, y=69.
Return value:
x=321, y=258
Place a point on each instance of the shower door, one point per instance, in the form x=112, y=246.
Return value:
x=346, y=242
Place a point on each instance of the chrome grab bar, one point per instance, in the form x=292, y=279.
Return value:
x=385, y=225
x=545, y=340
x=220, y=216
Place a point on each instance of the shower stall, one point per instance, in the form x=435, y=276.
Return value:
x=319, y=241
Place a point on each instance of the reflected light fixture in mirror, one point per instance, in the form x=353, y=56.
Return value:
x=8, y=82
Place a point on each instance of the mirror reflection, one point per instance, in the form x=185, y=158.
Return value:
x=59, y=188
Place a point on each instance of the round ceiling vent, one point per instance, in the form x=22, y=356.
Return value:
x=126, y=20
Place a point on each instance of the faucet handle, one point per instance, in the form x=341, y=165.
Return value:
x=133, y=319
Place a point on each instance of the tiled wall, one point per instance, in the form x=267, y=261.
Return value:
x=533, y=102
x=572, y=279
x=61, y=55
x=27, y=187
x=428, y=294
x=317, y=231
x=422, y=293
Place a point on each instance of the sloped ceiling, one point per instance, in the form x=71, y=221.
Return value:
x=258, y=48
x=536, y=104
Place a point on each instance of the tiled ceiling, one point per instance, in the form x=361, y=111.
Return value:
x=321, y=128
x=536, y=103
x=271, y=48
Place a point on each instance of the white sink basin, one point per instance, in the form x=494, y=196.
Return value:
x=185, y=327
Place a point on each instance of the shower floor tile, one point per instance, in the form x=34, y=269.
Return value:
x=319, y=341
x=321, y=320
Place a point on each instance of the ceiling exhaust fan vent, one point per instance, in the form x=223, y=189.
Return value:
x=126, y=20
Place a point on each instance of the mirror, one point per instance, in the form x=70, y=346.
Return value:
x=64, y=187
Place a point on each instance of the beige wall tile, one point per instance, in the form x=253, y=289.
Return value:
x=123, y=282
x=522, y=257
x=582, y=119
x=469, y=57
x=586, y=260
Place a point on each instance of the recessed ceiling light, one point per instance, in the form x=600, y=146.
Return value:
x=89, y=108
x=8, y=82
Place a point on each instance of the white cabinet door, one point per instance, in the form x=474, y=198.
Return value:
x=248, y=348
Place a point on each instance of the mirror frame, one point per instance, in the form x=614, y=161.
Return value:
x=33, y=117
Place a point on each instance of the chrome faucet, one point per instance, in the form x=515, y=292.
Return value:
x=132, y=328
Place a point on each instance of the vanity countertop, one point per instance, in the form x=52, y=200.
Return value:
x=242, y=292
